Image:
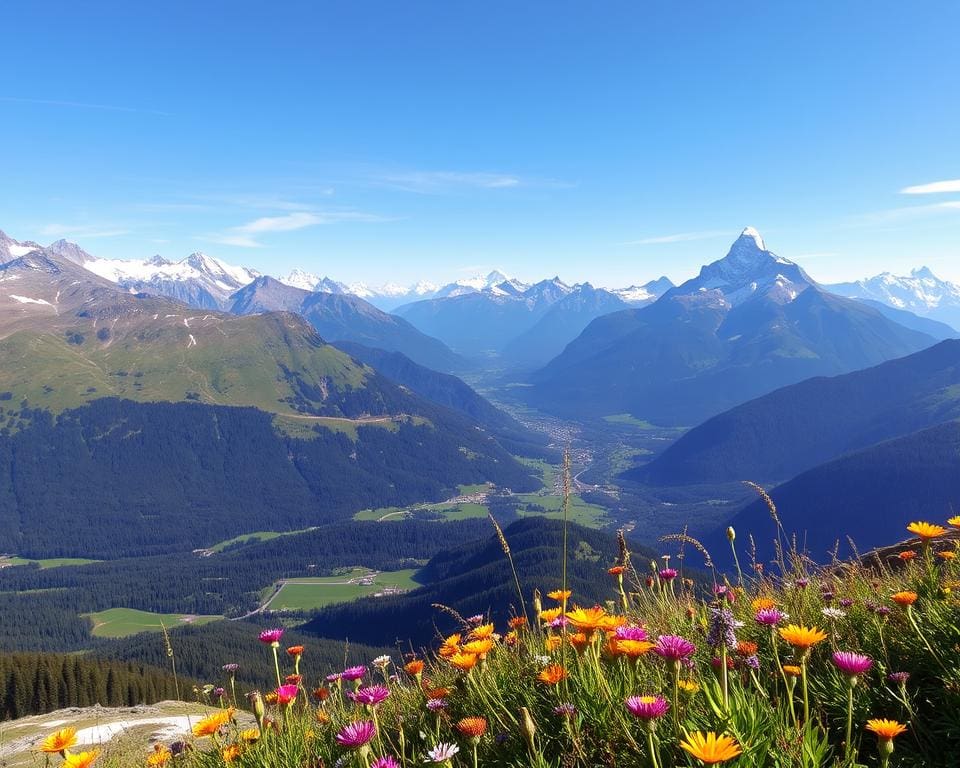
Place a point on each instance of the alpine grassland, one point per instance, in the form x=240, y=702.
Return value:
x=781, y=664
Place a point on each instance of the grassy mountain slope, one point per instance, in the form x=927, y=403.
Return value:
x=776, y=436
x=340, y=317
x=869, y=495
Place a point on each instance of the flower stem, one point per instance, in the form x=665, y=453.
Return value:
x=651, y=745
x=806, y=698
x=849, y=745
x=276, y=662
x=725, y=677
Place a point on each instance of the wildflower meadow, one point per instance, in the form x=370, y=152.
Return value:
x=849, y=664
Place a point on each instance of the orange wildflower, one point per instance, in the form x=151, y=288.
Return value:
x=517, y=622
x=552, y=675
x=802, y=638
x=322, y=716
x=630, y=648
x=480, y=647
x=450, y=646
x=926, y=531
x=464, y=661
x=792, y=670
x=904, y=598
x=159, y=757
x=213, y=723
x=550, y=614
x=886, y=730
x=954, y=521
x=710, y=748
x=80, y=759
x=231, y=753
x=413, y=668
x=746, y=648
x=552, y=642
x=472, y=727
x=559, y=595
x=482, y=632
x=762, y=604
x=947, y=554
x=907, y=554
x=249, y=735
x=579, y=640
x=588, y=619
x=617, y=570
x=59, y=741
x=295, y=650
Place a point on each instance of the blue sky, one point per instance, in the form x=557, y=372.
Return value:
x=609, y=141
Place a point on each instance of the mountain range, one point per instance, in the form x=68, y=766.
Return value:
x=747, y=324
x=528, y=324
x=920, y=292
x=343, y=317
x=118, y=409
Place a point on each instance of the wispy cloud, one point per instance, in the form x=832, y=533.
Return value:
x=85, y=231
x=436, y=182
x=245, y=235
x=82, y=105
x=933, y=188
x=447, y=182
x=906, y=213
x=679, y=237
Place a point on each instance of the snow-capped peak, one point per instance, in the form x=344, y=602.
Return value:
x=751, y=233
x=298, y=278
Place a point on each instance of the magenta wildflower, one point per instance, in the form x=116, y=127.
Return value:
x=852, y=664
x=769, y=616
x=370, y=696
x=271, y=636
x=356, y=735
x=286, y=694
x=647, y=707
x=353, y=673
x=668, y=574
x=478, y=619
x=630, y=632
x=231, y=668
x=333, y=678
x=900, y=678
x=559, y=622
x=386, y=761
x=674, y=648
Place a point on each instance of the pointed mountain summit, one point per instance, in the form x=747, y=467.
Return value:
x=747, y=324
x=747, y=269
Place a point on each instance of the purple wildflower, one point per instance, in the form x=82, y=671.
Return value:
x=674, y=648
x=769, y=616
x=386, y=761
x=333, y=678
x=630, y=632
x=230, y=668
x=647, y=707
x=852, y=664
x=668, y=574
x=565, y=710
x=435, y=705
x=371, y=695
x=271, y=636
x=354, y=673
x=722, y=625
x=900, y=678
x=357, y=734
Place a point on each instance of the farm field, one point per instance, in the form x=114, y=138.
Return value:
x=123, y=622
x=305, y=594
